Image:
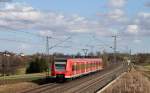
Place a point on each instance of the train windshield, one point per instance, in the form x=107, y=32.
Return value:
x=60, y=66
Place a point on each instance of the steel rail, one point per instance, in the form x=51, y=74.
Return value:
x=82, y=84
x=88, y=84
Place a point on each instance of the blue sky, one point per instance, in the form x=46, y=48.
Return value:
x=84, y=7
x=88, y=22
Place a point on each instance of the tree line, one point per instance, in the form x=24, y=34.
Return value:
x=11, y=62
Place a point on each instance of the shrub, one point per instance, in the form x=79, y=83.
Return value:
x=38, y=65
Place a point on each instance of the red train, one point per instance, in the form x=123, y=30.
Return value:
x=69, y=68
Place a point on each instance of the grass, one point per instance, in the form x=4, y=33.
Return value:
x=144, y=69
x=18, y=83
x=21, y=71
x=21, y=78
x=132, y=82
x=147, y=67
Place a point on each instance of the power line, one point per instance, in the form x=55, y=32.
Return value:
x=64, y=46
x=91, y=47
x=100, y=41
x=29, y=33
x=62, y=41
x=27, y=42
x=18, y=41
x=11, y=40
x=9, y=29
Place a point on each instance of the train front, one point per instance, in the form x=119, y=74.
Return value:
x=59, y=69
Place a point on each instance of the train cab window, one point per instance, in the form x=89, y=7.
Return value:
x=60, y=66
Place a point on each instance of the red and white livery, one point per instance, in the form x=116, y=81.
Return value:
x=68, y=68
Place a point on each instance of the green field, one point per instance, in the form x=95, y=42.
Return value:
x=22, y=78
x=39, y=75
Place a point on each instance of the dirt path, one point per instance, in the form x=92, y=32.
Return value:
x=16, y=88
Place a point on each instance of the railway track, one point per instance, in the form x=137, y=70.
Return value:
x=41, y=88
x=87, y=84
x=94, y=85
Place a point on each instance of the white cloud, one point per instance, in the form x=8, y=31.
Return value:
x=16, y=16
x=133, y=29
x=143, y=23
x=147, y=4
x=137, y=41
x=18, y=7
x=144, y=14
x=117, y=3
x=140, y=25
x=117, y=13
x=116, y=16
x=24, y=46
x=46, y=33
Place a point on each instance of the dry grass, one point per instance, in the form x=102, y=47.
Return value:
x=132, y=82
x=145, y=70
x=16, y=88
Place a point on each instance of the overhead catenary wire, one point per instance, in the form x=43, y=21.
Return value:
x=8, y=29
x=62, y=41
x=29, y=33
x=100, y=41
x=13, y=40
x=19, y=41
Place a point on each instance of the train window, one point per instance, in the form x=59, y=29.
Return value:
x=82, y=66
x=61, y=66
x=74, y=67
x=78, y=67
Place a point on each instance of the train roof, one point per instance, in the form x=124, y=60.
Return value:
x=76, y=59
x=84, y=59
x=60, y=59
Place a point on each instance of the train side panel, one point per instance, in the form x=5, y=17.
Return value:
x=75, y=67
x=80, y=67
x=69, y=71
